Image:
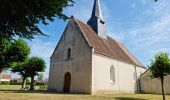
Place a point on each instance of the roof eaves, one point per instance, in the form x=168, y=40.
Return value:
x=117, y=58
x=82, y=32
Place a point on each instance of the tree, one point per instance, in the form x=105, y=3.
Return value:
x=21, y=17
x=40, y=77
x=21, y=69
x=18, y=51
x=12, y=51
x=4, y=47
x=160, y=67
x=34, y=66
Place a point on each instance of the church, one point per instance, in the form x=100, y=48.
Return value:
x=86, y=60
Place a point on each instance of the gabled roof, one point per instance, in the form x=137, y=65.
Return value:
x=15, y=79
x=6, y=76
x=107, y=47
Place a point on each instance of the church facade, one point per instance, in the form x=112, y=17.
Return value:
x=86, y=60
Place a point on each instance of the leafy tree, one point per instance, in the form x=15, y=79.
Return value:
x=21, y=17
x=18, y=51
x=34, y=66
x=12, y=51
x=21, y=69
x=40, y=77
x=4, y=47
x=160, y=67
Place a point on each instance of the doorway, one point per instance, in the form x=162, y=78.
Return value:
x=67, y=82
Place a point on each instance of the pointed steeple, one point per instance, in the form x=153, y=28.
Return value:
x=97, y=10
x=96, y=21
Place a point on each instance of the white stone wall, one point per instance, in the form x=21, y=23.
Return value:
x=124, y=75
x=90, y=73
x=79, y=65
x=5, y=80
x=150, y=85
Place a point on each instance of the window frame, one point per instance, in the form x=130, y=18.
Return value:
x=112, y=74
x=68, y=53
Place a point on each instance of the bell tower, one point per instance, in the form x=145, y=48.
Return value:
x=96, y=22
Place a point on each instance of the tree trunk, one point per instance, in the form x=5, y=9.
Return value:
x=1, y=70
x=162, y=84
x=0, y=75
x=32, y=83
x=23, y=82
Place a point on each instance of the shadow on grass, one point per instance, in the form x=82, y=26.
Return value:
x=38, y=91
x=128, y=98
x=24, y=91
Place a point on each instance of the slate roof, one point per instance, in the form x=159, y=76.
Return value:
x=107, y=47
x=97, y=10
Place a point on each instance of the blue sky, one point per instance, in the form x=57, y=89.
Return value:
x=143, y=26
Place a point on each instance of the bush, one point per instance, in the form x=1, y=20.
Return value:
x=4, y=83
x=16, y=83
x=42, y=87
x=41, y=83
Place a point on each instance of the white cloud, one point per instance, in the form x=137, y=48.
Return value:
x=116, y=35
x=148, y=35
x=133, y=5
x=43, y=49
x=151, y=32
x=163, y=50
x=155, y=32
x=81, y=9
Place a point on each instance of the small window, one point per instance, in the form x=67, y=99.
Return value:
x=68, y=53
x=112, y=74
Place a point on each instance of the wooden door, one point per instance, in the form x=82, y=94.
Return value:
x=67, y=82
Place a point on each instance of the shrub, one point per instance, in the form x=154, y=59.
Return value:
x=41, y=83
x=41, y=87
x=4, y=83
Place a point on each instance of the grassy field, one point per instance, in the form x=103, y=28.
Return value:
x=6, y=93
x=13, y=87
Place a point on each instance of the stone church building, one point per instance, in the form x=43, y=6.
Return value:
x=86, y=60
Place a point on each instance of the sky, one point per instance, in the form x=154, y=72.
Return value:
x=143, y=26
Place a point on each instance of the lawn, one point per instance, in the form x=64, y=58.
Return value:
x=13, y=87
x=14, y=94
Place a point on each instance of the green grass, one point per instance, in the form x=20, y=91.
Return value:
x=13, y=93
x=14, y=87
x=10, y=87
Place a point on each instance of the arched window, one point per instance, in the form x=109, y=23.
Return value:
x=112, y=73
x=68, y=53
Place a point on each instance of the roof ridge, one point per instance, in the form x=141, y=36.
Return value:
x=109, y=47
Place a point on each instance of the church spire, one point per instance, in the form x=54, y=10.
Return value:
x=97, y=10
x=96, y=21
